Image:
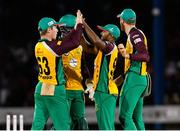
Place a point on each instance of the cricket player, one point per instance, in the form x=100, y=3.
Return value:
x=50, y=93
x=74, y=67
x=136, y=81
x=106, y=91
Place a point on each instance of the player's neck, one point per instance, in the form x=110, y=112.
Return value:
x=128, y=28
x=46, y=37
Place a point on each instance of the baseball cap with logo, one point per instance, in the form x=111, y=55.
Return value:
x=128, y=15
x=113, y=29
x=69, y=20
x=46, y=22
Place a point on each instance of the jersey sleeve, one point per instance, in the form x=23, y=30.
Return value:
x=141, y=52
x=109, y=47
x=71, y=41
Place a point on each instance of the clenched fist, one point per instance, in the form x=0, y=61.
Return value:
x=122, y=50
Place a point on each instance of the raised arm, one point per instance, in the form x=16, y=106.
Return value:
x=87, y=47
x=71, y=41
x=94, y=37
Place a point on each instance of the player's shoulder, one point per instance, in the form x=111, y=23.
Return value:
x=110, y=47
x=136, y=35
x=134, y=32
x=38, y=44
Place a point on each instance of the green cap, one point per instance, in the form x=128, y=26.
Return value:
x=45, y=23
x=128, y=15
x=113, y=29
x=68, y=19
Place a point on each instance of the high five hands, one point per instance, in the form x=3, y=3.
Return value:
x=79, y=17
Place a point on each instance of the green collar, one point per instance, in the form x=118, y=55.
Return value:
x=41, y=40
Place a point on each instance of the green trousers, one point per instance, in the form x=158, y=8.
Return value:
x=105, y=105
x=131, y=101
x=77, y=109
x=56, y=107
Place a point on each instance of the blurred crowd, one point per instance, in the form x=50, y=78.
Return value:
x=18, y=76
x=172, y=70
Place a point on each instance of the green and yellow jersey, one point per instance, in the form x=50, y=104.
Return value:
x=49, y=57
x=49, y=63
x=72, y=69
x=136, y=46
x=47, y=60
x=104, y=67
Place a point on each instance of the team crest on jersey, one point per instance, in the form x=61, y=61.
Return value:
x=73, y=62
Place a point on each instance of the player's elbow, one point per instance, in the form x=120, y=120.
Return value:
x=146, y=58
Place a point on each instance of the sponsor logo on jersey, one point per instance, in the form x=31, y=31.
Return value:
x=59, y=42
x=45, y=77
x=137, y=40
x=39, y=51
x=73, y=62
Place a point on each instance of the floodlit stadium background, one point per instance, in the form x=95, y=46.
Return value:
x=159, y=20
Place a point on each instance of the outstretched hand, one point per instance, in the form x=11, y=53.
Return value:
x=79, y=18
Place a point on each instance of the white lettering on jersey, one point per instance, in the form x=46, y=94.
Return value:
x=135, y=36
x=137, y=40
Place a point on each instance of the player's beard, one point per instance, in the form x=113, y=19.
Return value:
x=54, y=36
x=122, y=27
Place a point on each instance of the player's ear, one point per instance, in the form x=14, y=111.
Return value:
x=48, y=30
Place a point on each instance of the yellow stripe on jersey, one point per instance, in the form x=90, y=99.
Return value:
x=97, y=66
x=47, y=64
x=112, y=65
x=129, y=50
x=143, y=68
x=72, y=69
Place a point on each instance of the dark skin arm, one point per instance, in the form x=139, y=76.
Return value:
x=86, y=46
x=94, y=37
